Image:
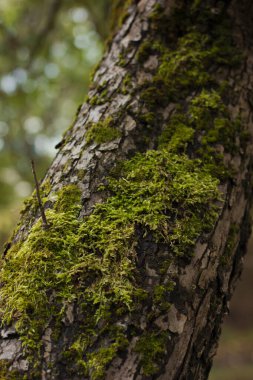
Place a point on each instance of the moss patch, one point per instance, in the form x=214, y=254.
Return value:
x=6, y=374
x=182, y=69
x=189, y=46
x=170, y=194
x=92, y=261
x=205, y=124
x=102, y=132
x=152, y=348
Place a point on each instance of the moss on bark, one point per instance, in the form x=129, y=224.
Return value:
x=170, y=193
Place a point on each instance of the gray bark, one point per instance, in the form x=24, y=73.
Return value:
x=204, y=287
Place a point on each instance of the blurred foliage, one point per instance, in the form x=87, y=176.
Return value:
x=47, y=51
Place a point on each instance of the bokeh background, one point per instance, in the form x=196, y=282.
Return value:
x=47, y=51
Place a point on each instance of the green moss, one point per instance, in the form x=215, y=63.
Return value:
x=155, y=94
x=152, y=348
x=101, y=96
x=171, y=194
x=102, y=132
x=161, y=296
x=205, y=124
x=126, y=85
x=42, y=273
x=160, y=291
x=147, y=118
x=45, y=188
x=93, y=72
x=98, y=360
x=177, y=134
x=198, y=17
x=184, y=66
x=144, y=52
x=68, y=199
x=122, y=60
x=208, y=113
x=94, y=100
x=6, y=374
x=94, y=364
x=81, y=173
x=180, y=69
x=149, y=47
x=159, y=21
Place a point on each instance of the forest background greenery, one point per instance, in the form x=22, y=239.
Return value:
x=48, y=50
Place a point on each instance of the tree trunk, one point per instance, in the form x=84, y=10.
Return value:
x=133, y=280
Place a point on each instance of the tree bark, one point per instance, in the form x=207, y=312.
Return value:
x=176, y=79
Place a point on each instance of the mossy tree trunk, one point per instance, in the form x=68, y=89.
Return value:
x=148, y=205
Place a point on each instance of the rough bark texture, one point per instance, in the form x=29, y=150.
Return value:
x=203, y=282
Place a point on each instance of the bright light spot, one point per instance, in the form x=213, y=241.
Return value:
x=79, y=15
x=59, y=49
x=82, y=41
x=10, y=175
x=20, y=75
x=33, y=124
x=51, y=70
x=92, y=55
x=1, y=144
x=3, y=128
x=23, y=188
x=45, y=145
x=8, y=84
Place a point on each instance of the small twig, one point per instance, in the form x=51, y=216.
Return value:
x=43, y=215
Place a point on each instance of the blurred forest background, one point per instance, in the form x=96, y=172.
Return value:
x=48, y=50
